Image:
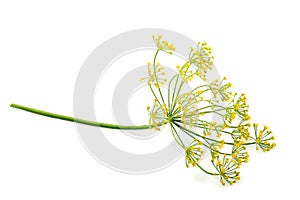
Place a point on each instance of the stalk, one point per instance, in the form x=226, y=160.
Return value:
x=82, y=121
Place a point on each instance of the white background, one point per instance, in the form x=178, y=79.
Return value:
x=43, y=45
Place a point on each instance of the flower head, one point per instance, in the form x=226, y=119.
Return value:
x=193, y=153
x=220, y=90
x=163, y=45
x=239, y=153
x=202, y=58
x=227, y=170
x=186, y=111
x=156, y=75
x=237, y=108
x=157, y=115
x=264, y=138
x=241, y=107
x=242, y=131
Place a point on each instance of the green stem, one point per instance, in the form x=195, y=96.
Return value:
x=210, y=173
x=154, y=68
x=81, y=121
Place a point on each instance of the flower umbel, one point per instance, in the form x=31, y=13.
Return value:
x=193, y=153
x=264, y=138
x=227, y=169
x=239, y=153
x=163, y=45
x=202, y=58
x=157, y=115
x=186, y=111
x=156, y=75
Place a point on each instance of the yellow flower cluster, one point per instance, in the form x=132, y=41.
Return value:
x=237, y=107
x=200, y=62
x=242, y=131
x=156, y=73
x=187, y=109
x=163, y=45
x=193, y=153
x=220, y=90
x=264, y=138
x=239, y=153
x=185, y=112
x=157, y=115
x=202, y=58
x=226, y=169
